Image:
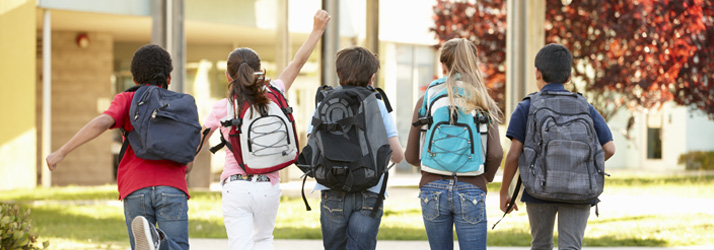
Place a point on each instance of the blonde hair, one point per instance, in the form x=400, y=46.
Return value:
x=461, y=59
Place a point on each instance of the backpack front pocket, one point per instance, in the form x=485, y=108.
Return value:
x=567, y=167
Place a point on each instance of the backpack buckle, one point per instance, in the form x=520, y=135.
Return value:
x=423, y=121
x=288, y=110
x=232, y=122
x=339, y=170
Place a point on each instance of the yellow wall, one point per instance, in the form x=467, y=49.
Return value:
x=18, y=134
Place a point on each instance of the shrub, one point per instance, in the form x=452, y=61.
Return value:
x=701, y=160
x=15, y=229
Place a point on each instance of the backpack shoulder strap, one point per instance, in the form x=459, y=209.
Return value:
x=321, y=93
x=482, y=122
x=383, y=97
x=530, y=96
x=510, y=204
x=285, y=107
x=125, y=133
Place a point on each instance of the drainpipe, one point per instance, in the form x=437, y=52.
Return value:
x=45, y=174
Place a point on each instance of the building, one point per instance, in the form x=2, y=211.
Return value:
x=62, y=61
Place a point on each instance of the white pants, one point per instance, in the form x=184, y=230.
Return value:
x=249, y=212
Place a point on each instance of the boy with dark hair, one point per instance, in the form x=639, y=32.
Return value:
x=350, y=220
x=153, y=191
x=553, y=66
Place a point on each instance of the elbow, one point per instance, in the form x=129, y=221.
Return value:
x=609, y=149
x=397, y=157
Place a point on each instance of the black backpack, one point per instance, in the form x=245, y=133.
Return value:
x=348, y=149
x=165, y=125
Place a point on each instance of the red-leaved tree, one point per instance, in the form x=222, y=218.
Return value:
x=638, y=54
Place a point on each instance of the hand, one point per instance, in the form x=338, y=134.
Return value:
x=505, y=200
x=320, y=20
x=53, y=159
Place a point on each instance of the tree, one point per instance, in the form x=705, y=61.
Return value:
x=484, y=23
x=637, y=54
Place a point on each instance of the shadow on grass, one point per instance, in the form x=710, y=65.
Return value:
x=609, y=241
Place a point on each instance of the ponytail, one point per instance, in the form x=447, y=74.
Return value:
x=248, y=84
x=461, y=59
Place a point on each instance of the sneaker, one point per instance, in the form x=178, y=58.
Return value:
x=145, y=235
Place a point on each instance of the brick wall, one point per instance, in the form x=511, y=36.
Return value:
x=81, y=90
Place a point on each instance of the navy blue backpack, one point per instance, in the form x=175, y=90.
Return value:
x=166, y=125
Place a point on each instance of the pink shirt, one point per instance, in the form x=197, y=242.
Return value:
x=213, y=122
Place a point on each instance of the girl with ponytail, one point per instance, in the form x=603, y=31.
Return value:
x=449, y=202
x=250, y=202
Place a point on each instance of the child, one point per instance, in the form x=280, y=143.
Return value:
x=250, y=202
x=443, y=197
x=345, y=216
x=153, y=191
x=553, y=66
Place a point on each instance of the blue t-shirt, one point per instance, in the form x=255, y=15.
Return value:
x=391, y=132
x=519, y=118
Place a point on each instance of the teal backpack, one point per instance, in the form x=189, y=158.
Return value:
x=450, y=144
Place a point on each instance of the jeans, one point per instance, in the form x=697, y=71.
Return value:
x=445, y=204
x=162, y=205
x=250, y=209
x=572, y=220
x=345, y=220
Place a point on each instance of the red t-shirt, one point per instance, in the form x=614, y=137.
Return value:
x=135, y=173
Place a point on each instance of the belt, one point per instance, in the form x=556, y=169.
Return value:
x=250, y=177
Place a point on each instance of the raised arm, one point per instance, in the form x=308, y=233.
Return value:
x=94, y=128
x=290, y=72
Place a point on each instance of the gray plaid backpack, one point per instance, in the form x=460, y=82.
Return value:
x=562, y=159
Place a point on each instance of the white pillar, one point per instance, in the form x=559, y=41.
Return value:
x=330, y=43
x=46, y=175
x=282, y=37
x=168, y=32
x=526, y=35
x=372, y=36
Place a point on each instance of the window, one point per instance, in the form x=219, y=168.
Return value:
x=654, y=137
x=415, y=69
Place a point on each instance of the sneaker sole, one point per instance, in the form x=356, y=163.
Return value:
x=142, y=236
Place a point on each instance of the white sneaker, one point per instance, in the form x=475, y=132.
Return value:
x=145, y=235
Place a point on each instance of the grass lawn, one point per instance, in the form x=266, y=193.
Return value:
x=635, y=211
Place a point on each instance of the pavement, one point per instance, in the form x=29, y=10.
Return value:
x=201, y=244
x=397, y=192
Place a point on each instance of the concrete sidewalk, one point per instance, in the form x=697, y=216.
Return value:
x=401, y=189
x=210, y=244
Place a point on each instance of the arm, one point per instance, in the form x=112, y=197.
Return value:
x=94, y=128
x=494, y=152
x=411, y=154
x=291, y=71
x=509, y=172
x=189, y=166
x=609, y=148
x=397, y=151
